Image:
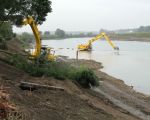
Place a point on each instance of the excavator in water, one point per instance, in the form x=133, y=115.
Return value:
x=40, y=51
x=88, y=45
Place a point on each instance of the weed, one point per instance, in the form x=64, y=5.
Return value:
x=86, y=77
x=59, y=70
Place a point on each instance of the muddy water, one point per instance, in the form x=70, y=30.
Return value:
x=131, y=63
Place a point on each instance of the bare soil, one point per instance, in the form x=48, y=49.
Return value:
x=112, y=100
x=119, y=94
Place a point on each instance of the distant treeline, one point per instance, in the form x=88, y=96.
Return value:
x=141, y=32
x=58, y=34
x=141, y=29
x=136, y=36
x=61, y=34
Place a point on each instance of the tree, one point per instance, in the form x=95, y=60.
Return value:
x=60, y=33
x=6, y=30
x=26, y=37
x=46, y=33
x=143, y=29
x=90, y=34
x=15, y=10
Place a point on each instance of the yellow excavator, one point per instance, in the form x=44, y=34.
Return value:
x=40, y=51
x=88, y=46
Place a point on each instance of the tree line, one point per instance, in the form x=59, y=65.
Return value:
x=61, y=34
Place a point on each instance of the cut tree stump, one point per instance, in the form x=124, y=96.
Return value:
x=35, y=86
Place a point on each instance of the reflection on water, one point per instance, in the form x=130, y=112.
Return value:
x=130, y=64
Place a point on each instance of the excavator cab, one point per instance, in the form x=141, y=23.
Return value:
x=85, y=47
x=116, y=48
x=47, y=53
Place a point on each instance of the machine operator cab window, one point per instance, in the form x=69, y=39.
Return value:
x=43, y=51
x=43, y=55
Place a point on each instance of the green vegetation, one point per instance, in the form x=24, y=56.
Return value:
x=60, y=33
x=84, y=76
x=141, y=36
x=3, y=45
x=15, y=10
x=25, y=38
x=6, y=30
x=6, y=33
x=144, y=29
x=59, y=70
x=12, y=12
x=137, y=34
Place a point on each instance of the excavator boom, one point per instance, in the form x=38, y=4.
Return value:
x=40, y=52
x=88, y=46
x=29, y=20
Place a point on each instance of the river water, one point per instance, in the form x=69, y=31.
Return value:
x=131, y=63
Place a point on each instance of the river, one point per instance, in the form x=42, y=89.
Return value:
x=131, y=63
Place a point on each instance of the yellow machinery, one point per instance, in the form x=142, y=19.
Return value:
x=39, y=50
x=88, y=46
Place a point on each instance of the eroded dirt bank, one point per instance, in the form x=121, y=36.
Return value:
x=113, y=100
x=118, y=93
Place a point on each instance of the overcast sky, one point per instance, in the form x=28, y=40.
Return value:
x=92, y=15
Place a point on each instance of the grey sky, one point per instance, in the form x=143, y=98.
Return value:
x=92, y=15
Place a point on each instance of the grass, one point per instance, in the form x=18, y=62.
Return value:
x=86, y=77
x=59, y=70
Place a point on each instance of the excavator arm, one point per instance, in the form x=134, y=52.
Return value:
x=87, y=46
x=40, y=52
x=29, y=20
x=109, y=41
x=95, y=38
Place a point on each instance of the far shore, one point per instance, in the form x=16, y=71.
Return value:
x=141, y=39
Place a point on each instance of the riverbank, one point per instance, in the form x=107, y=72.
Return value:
x=118, y=38
x=120, y=94
x=112, y=100
x=129, y=38
x=142, y=37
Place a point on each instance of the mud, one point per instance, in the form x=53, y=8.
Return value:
x=118, y=93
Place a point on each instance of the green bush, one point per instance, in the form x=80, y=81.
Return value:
x=59, y=70
x=86, y=78
x=3, y=45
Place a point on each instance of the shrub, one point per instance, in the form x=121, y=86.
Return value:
x=3, y=45
x=59, y=70
x=86, y=78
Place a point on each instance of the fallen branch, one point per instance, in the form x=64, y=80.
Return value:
x=7, y=52
x=34, y=86
x=10, y=53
